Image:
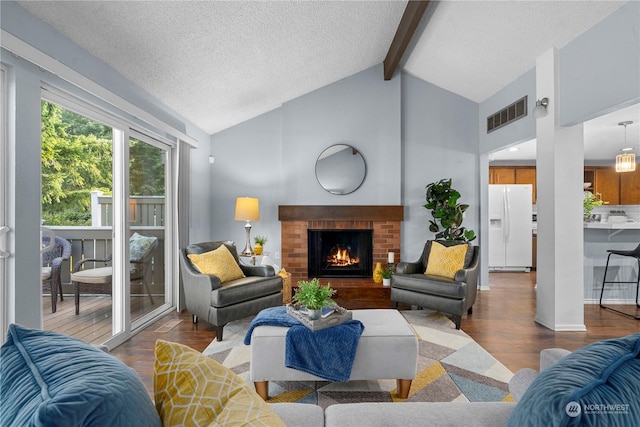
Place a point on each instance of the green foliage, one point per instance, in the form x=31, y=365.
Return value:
x=313, y=296
x=445, y=209
x=589, y=202
x=261, y=240
x=146, y=169
x=386, y=273
x=77, y=158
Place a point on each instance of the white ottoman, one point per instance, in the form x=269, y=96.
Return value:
x=388, y=349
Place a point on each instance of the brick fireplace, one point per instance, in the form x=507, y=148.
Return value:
x=297, y=220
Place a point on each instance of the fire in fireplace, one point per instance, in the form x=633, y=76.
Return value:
x=340, y=253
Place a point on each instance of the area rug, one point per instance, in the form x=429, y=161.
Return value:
x=451, y=367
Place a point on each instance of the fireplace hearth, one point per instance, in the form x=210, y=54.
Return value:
x=340, y=253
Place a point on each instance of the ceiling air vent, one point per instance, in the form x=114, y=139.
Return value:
x=507, y=115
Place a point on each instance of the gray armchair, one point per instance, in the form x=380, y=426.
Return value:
x=219, y=304
x=453, y=296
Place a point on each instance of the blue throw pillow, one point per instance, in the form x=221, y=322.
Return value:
x=51, y=379
x=597, y=385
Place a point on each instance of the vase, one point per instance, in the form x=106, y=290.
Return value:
x=257, y=249
x=386, y=282
x=377, y=272
x=314, y=314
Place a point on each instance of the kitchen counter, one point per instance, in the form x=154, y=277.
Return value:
x=613, y=225
x=598, y=238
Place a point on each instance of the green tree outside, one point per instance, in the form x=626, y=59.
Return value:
x=77, y=158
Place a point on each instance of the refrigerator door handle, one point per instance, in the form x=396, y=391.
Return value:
x=507, y=223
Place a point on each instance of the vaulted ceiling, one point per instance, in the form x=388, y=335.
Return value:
x=220, y=63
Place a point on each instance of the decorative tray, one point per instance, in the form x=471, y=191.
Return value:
x=333, y=317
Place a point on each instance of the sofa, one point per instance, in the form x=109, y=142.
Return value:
x=444, y=278
x=50, y=379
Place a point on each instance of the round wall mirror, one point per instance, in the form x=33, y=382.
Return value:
x=340, y=169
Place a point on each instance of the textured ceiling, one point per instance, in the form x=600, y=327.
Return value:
x=220, y=63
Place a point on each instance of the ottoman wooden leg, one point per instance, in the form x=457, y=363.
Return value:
x=403, y=388
x=262, y=388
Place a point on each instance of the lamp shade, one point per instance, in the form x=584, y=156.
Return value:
x=247, y=209
x=626, y=162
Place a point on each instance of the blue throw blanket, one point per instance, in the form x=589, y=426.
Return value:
x=328, y=353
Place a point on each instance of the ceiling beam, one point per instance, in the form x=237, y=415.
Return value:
x=410, y=19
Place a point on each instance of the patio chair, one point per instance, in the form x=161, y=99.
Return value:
x=52, y=260
x=140, y=256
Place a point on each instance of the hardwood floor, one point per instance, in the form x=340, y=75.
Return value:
x=502, y=323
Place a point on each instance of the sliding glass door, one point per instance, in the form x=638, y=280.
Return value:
x=149, y=169
x=106, y=190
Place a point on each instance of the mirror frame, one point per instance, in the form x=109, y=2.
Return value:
x=354, y=182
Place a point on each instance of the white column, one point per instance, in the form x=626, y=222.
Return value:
x=560, y=163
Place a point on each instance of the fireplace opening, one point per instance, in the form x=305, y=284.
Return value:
x=340, y=253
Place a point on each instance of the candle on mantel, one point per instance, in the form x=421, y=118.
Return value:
x=390, y=260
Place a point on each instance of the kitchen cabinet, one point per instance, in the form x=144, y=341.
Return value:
x=630, y=187
x=527, y=176
x=607, y=185
x=502, y=175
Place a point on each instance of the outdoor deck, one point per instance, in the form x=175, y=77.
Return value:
x=93, y=324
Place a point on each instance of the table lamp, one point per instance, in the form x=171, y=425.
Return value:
x=247, y=209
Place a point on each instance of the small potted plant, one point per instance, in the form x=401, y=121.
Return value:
x=314, y=297
x=260, y=242
x=386, y=276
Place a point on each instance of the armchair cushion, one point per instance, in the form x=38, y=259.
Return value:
x=445, y=261
x=218, y=262
x=193, y=389
x=140, y=246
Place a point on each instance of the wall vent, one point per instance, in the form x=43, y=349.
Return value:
x=507, y=115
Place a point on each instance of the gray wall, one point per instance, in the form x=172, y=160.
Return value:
x=439, y=140
x=410, y=133
x=273, y=156
x=600, y=70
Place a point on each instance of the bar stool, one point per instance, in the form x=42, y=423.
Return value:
x=635, y=253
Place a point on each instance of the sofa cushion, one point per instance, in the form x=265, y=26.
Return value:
x=445, y=261
x=595, y=385
x=218, y=262
x=193, y=389
x=51, y=379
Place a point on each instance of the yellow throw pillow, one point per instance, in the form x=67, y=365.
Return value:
x=218, y=262
x=446, y=260
x=191, y=389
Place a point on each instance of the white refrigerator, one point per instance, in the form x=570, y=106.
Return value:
x=510, y=209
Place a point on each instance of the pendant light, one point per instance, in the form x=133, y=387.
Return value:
x=626, y=162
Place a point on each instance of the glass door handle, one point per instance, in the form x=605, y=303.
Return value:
x=3, y=232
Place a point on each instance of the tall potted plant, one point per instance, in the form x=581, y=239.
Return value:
x=447, y=212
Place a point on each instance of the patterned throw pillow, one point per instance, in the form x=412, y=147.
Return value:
x=218, y=262
x=193, y=389
x=140, y=246
x=444, y=261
